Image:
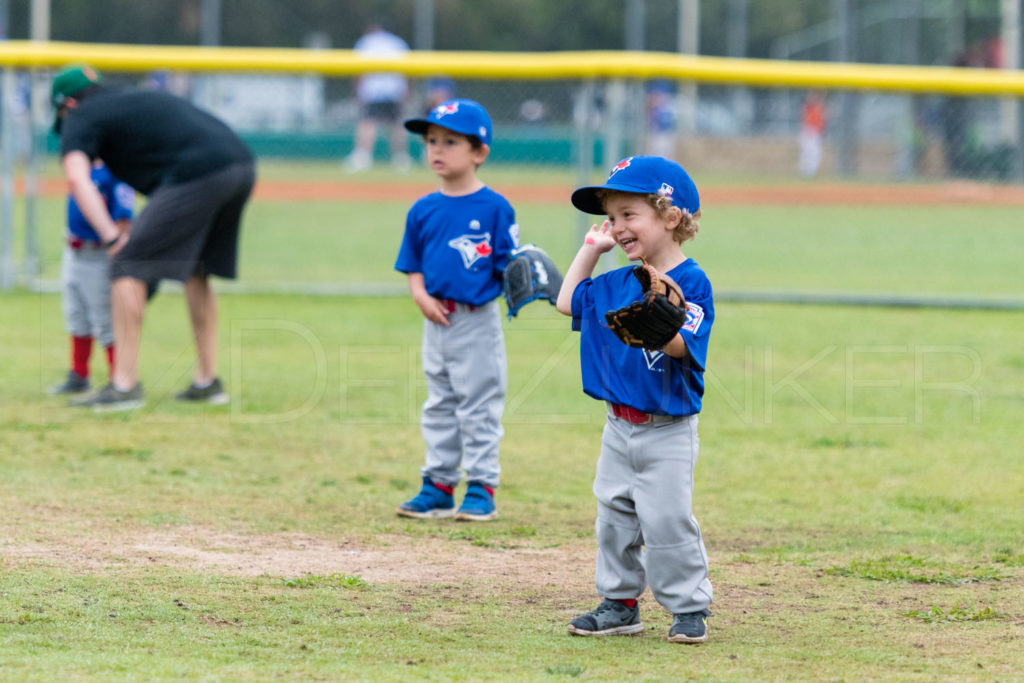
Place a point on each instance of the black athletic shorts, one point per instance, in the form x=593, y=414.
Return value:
x=188, y=229
x=386, y=112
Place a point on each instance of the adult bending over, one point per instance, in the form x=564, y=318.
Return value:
x=197, y=175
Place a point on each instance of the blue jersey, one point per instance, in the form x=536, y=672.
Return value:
x=120, y=198
x=460, y=244
x=645, y=380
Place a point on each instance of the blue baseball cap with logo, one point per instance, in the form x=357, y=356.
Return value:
x=642, y=175
x=461, y=116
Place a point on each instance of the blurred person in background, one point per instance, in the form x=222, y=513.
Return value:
x=662, y=119
x=381, y=97
x=439, y=89
x=197, y=175
x=165, y=80
x=812, y=133
x=966, y=155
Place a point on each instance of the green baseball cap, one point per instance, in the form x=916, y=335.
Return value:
x=70, y=81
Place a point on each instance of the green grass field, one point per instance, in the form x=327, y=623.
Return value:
x=950, y=251
x=859, y=484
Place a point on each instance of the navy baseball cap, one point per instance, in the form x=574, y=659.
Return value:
x=461, y=116
x=642, y=175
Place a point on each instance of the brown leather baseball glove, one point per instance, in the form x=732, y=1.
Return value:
x=652, y=322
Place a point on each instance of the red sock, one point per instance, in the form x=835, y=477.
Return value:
x=630, y=603
x=110, y=359
x=447, y=489
x=81, y=349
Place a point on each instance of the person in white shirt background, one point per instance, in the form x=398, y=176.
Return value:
x=381, y=97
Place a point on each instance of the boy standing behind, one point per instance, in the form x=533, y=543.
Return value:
x=455, y=249
x=646, y=531
x=85, y=279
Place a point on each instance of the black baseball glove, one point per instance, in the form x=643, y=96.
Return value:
x=652, y=322
x=529, y=275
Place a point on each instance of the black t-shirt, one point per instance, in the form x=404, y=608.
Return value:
x=149, y=139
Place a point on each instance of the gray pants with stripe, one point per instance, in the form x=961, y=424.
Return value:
x=85, y=294
x=466, y=384
x=646, y=531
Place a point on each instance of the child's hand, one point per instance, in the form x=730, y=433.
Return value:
x=117, y=244
x=597, y=241
x=599, y=238
x=432, y=309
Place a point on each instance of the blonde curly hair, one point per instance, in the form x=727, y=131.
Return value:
x=689, y=223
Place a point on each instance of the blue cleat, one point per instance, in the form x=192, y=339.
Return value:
x=478, y=505
x=434, y=501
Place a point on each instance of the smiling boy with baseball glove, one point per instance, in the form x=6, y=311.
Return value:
x=643, y=351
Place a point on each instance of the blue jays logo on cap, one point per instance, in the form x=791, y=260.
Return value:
x=642, y=175
x=444, y=109
x=463, y=116
x=619, y=166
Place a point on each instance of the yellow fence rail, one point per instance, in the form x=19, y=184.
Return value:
x=523, y=65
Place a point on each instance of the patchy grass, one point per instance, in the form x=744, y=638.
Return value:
x=957, y=613
x=908, y=569
x=331, y=581
x=1008, y=557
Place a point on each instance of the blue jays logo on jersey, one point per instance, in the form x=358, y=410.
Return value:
x=694, y=317
x=124, y=195
x=472, y=248
x=653, y=359
x=619, y=166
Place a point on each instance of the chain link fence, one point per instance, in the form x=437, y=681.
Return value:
x=752, y=132
x=579, y=127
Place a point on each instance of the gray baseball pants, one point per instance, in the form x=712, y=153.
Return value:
x=85, y=289
x=646, y=531
x=467, y=380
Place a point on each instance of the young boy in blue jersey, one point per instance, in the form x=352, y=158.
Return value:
x=455, y=249
x=85, y=279
x=646, y=531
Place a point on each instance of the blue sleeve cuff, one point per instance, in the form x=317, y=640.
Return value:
x=576, y=307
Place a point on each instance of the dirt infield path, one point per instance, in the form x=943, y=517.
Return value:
x=818, y=193
x=393, y=559
x=562, y=577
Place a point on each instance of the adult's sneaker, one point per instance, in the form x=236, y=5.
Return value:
x=434, y=501
x=111, y=399
x=689, y=627
x=74, y=384
x=213, y=393
x=611, y=618
x=478, y=505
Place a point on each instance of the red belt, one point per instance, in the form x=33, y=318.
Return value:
x=638, y=417
x=77, y=243
x=450, y=305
